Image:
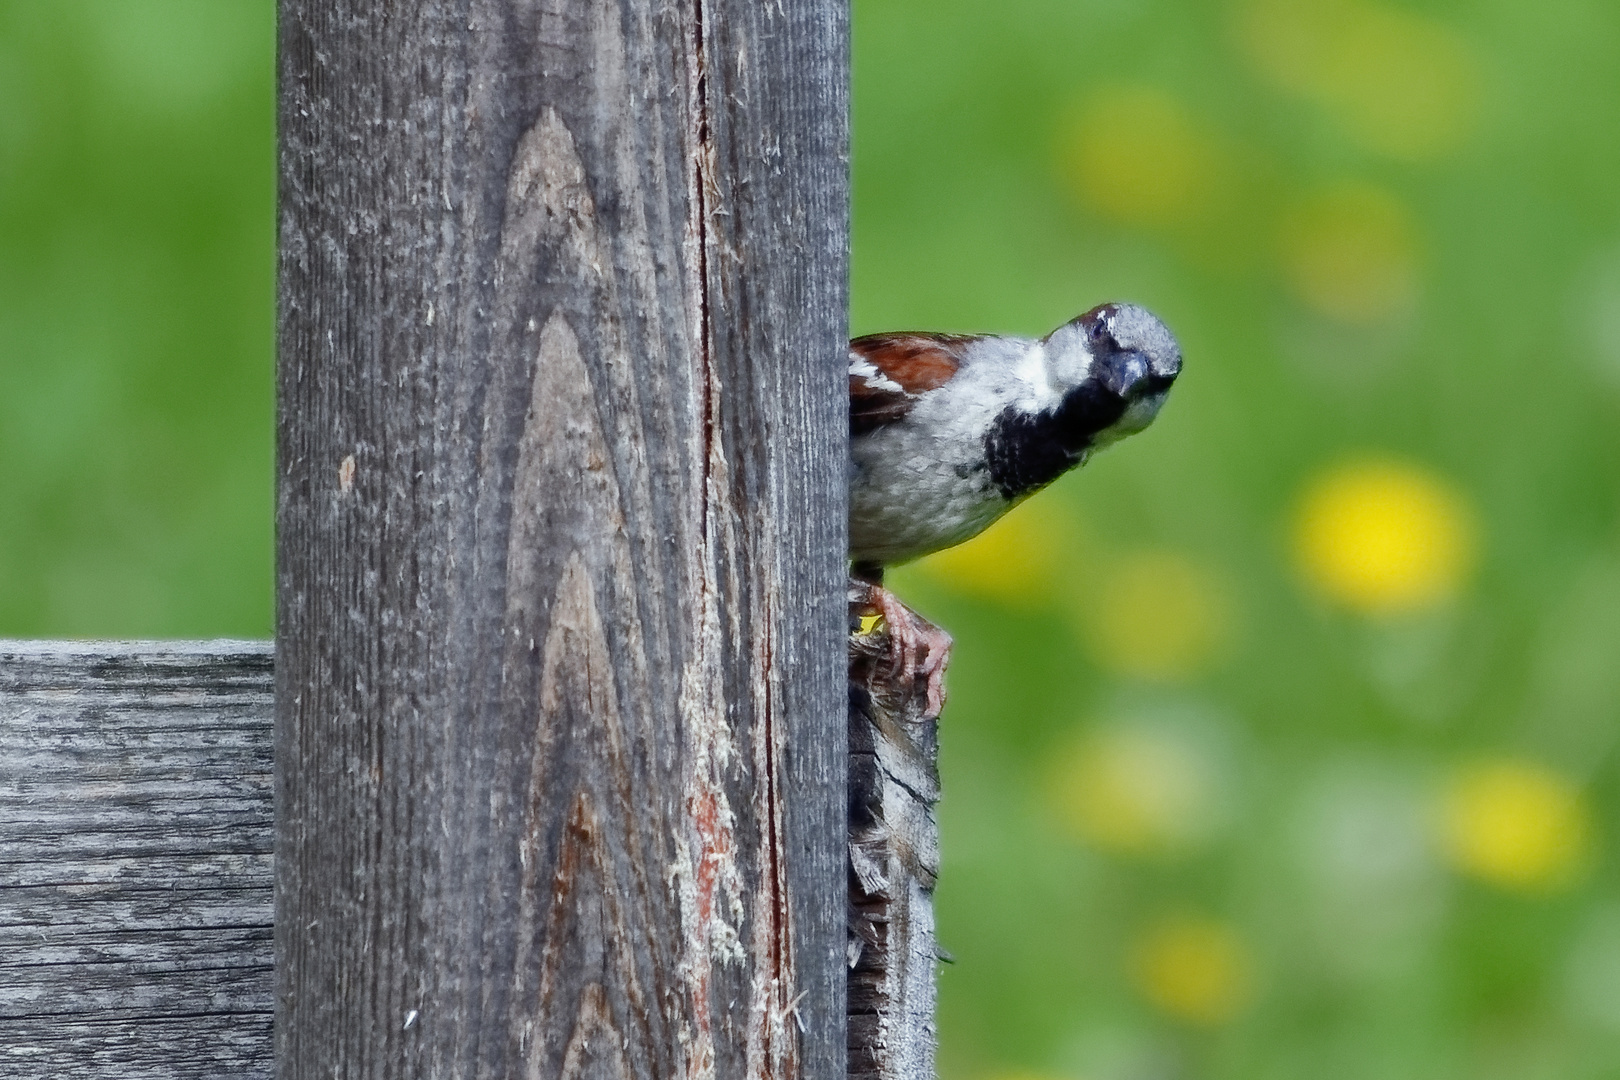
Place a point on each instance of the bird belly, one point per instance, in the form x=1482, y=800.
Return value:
x=910, y=496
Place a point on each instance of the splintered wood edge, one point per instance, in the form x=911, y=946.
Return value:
x=894, y=859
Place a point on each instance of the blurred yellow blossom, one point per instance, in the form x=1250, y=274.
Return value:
x=1154, y=615
x=1349, y=252
x=1384, y=537
x=1402, y=84
x=1516, y=824
x=1194, y=968
x=1139, y=158
x=1017, y=559
x=1137, y=789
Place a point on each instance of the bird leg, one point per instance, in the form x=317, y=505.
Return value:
x=916, y=646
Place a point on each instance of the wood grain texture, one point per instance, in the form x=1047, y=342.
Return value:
x=135, y=860
x=893, y=862
x=561, y=536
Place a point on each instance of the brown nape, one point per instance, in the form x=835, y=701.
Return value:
x=869, y=572
x=916, y=361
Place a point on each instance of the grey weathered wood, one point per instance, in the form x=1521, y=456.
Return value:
x=561, y=538
x=135, y=860
x=893, y=864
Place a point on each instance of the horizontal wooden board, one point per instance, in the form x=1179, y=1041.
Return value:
x=135, y=860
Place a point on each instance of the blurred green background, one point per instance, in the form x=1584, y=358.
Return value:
x=137, y=317
x=1282, y=737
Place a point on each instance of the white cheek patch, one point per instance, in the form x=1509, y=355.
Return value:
x=1035, y=373
x=868, y=372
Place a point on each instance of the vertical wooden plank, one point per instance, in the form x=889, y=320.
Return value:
x=893, y=862
x=560, y=761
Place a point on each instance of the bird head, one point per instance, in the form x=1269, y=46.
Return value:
x=1114, y=367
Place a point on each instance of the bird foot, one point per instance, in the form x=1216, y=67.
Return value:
x=916, y=646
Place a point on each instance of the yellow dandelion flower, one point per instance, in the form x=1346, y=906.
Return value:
x=1195, y=969
x=1136, y=790
x=1384, y=537
x=1517, y=825
x=1138, y=157
x=1014, y=561
x=1349, y=252
x=1402, y=84
x=1155, y=615
x=1291, y=42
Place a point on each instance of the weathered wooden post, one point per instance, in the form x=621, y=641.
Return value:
x=560, y=710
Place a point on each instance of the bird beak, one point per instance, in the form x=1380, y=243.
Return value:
x=1124, y=374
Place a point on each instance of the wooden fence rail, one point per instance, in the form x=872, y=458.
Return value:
x=135, y=860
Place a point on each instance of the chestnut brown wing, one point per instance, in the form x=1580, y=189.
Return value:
x=888, y=372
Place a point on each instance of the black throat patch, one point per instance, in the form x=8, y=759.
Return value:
x=1025, y=451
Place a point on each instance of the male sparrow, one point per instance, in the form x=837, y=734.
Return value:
x=948, y=433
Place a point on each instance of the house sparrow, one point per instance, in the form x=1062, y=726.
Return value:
x=948, y=433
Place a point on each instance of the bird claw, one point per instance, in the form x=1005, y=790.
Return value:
x=916, y=647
